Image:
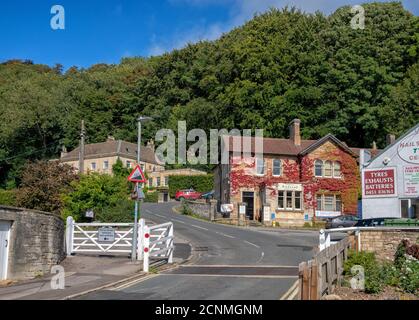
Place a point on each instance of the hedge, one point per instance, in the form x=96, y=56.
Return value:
x=201, y=183
x=8, y=197
x=151, y=196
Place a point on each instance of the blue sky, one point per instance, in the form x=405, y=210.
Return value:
x=107, y=30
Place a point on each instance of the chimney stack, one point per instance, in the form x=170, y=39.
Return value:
x=390, y=139
x=150, y=144
x=295, y=136
x=63, y=151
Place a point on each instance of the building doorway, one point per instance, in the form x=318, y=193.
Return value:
x=408, y=208
x=248, y=197
x=4, y=248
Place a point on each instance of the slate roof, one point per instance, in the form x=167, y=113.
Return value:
x=287, y=147
x=112, y=148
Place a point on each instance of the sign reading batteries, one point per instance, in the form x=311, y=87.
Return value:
x=379, y=183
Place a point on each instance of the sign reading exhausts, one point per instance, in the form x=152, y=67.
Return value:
x=379, y=183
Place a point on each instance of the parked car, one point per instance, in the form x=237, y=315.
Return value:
x=187, y=194
x=208, y=195
x=343, y=221
x=372, y=222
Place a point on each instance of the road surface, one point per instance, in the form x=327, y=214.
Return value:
x=227, y=262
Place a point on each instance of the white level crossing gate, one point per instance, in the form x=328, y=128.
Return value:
x=155, y=242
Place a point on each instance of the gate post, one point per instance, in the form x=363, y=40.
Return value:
x=146, y=245
x=69, y=232
x=171, y=243
x=140, y=240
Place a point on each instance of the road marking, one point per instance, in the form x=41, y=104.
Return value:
x=252, y=244
x=261, y=257
x=178, y=221
x=194, y=225
x=237, y=266
x=230, y=276
x=225, y=235
x=131, y=283
x=158, y=215
x=291, y=292
x=148, y=211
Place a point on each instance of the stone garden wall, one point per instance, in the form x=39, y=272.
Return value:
x=36, y=242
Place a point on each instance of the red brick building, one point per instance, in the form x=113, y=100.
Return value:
x=298, y=179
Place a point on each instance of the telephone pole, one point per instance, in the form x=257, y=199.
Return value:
x=81, y=151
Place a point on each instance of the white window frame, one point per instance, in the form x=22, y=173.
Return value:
x=322, y=201
x=273, y=168
x=93, y=166
x=322, y=169
x=257, y=166
x=283, y=206
x=128, y=164
x=340, y=169
x=331, y=168
x=107, y=164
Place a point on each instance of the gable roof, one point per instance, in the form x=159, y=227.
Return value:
x=287, y=147
x=270, y=145
x=404, y=135
x=112, y=148
x=332, y=138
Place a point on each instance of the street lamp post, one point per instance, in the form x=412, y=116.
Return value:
x=140, y=119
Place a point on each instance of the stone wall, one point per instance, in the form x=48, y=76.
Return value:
x=384, y=242
x=206, y=210
x=36, y=242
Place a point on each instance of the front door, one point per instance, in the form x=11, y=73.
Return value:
x=249, y=199
x=4, y=248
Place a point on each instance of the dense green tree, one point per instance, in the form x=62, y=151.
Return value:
x=280, y=65
x=43, y=182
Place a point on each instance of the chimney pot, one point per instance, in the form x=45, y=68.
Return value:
x=390, y=139
x=295, y=135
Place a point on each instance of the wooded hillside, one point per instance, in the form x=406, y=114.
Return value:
x=357, y=84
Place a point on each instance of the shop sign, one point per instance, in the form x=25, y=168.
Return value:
x=379, y=183
x=411, y=180
x=408, y=148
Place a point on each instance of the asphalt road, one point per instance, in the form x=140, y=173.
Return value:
x=227, y=262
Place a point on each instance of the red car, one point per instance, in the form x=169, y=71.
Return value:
x=189, y=194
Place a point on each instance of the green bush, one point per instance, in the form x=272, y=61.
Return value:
x=186, y=210
x=201, y=183
x=409, y=278
x=96, y=192
x=8, y=197
x=372, y=270
x=151, y=196
x=121, y=211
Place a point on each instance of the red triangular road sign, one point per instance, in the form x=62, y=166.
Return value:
x=137, y=175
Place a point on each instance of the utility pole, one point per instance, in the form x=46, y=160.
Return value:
x=81, y=151
x=137, y=190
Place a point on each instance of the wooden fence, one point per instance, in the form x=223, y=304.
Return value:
x=323, y=273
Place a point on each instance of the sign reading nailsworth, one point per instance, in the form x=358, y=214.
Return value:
x=408, y=148
x=290, y=187
x=411, y=180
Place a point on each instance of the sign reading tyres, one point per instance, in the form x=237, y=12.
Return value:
x=379, y=183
